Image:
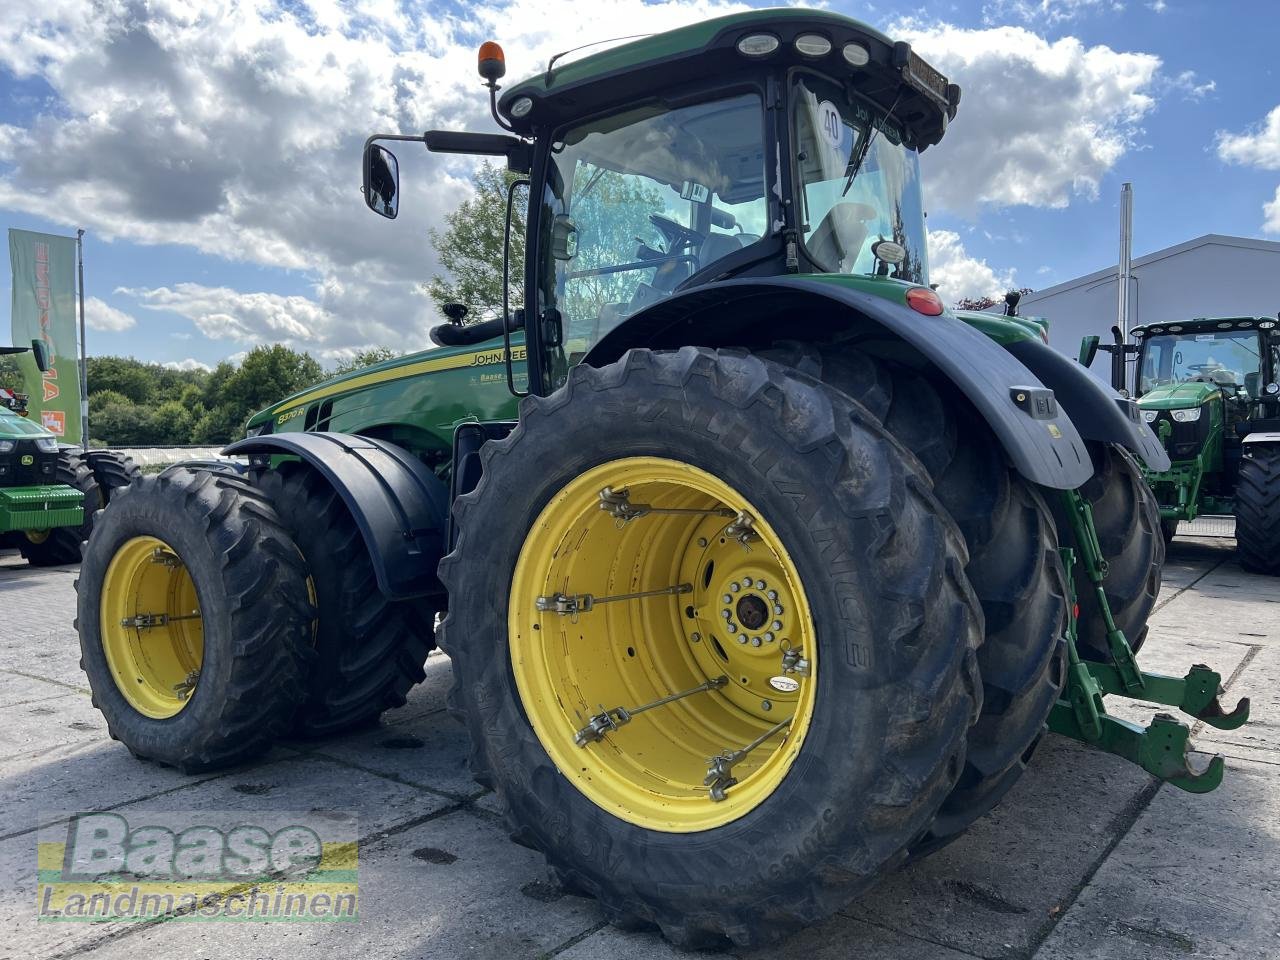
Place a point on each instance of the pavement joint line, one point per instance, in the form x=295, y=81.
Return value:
x=27, y=703
x=1123, y=823
x=574, y=940
x=1181, y=590
x=910, y=936
x=58, y=683
x=393, y=777
x=122, y=803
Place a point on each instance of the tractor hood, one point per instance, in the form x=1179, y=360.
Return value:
x=1178, y=396
x=14, y=427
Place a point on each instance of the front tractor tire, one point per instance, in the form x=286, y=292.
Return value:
x=195, y=619
x=1258, y=509
x=370, y=651
x=802, y=590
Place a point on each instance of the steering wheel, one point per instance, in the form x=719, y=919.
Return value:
x=677, y=235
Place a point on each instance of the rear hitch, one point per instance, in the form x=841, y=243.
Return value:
x=1162, y=747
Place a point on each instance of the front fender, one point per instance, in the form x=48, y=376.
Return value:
x=1039, y=438
x=400, y=506
x=1100, y=413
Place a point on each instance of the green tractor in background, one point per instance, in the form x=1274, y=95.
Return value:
x=49, y=491
x=1210, y=388
x=758, y=567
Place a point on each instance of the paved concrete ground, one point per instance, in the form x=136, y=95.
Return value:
x=1088, y=857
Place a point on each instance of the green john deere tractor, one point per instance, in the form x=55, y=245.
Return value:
x=49, y=491
x=1209, y=388
x=758, y=567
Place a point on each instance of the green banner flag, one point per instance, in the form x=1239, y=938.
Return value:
x=44, y=308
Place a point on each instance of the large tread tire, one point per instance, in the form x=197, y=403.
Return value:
x=62, y=545
x=1258, y=509
x=1014, y=567
x=370, y=651
x=251, y=581
x=887, y=744
x=1126, y=516
x=112, y=470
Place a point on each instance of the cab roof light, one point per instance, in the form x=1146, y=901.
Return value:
x=758, y=44
x=813, y=45
x=856, y=55
x=492, y=63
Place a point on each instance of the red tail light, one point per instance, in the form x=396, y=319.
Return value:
x=923, y=300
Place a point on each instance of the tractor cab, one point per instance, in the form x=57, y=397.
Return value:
x=1206, y=386
x=758, y=144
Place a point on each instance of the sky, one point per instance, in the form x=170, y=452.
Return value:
x=211, y=151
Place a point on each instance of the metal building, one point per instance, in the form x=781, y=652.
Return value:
x=1213, y=275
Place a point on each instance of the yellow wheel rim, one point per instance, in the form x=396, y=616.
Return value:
x=743, y=616
x=37, y=536
x=152, y=633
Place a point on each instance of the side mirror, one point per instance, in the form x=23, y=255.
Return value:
x=40, y=350
x=1089, y=350
x=381, y=181
x=564, y=237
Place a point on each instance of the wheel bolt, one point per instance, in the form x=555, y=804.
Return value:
x=768, y=637
x=746, y=582
x=766, y=705
x=702, y=541
x=728, y=598
x=731, y=627
x=777, y=624
x=777, y=608
x=696, y=638
x=760, y=584
x=742, y=638
x=756, y=641
x=726, y=614
x=772, y=594
x=734, y=587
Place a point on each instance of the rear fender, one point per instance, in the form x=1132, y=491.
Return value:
x=1098, y=412
x=1039, y=438
x=400, y=506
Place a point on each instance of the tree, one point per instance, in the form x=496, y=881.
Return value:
x=266, y=376
x=470, y=246
x=985, y=303
x=365, y=358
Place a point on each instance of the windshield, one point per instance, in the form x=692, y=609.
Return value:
x=637, y=203
x=1228, y=358
x=840, y=220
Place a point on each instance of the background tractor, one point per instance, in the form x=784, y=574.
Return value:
x=756, y=565
x=1209, y=388
x=49, y=491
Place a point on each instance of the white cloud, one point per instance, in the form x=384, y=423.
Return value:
x=186, y=365
x=1271, y=211
x=237, y=128
x=100, y=315
x=1045, y=11
x=1158, y=6
x=1040, y=122
x=1258, y=146
x=960, y=276
x=1187, y=84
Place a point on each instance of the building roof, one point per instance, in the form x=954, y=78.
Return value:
x=1109, y=273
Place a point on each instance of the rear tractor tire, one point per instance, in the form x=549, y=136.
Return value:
x=1258, y=509
x=370, y=650
x=61, y=545
x=1014, y=566
x=112, y=470
x=1126, y=516
x=803, y=590
x=195, y=619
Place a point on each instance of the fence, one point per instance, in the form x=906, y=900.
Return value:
x=160, y=456
x=1208, y=527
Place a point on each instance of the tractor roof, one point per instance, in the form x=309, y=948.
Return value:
x=1203, y=324
x=893, y=77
